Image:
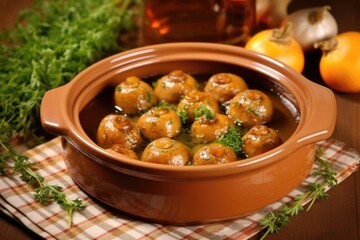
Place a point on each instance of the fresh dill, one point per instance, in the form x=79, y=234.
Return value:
x=60, y=39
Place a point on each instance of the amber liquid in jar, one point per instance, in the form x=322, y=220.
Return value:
x=221, y=21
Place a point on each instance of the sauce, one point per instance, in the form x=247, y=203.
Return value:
x=285, y=118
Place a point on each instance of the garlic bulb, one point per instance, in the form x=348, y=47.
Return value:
x=311, y=25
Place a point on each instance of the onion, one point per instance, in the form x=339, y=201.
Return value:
x=340, y=63
x=312, y=25
x=279, y=44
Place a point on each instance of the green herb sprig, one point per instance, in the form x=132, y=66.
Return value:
x=44, y=192
x=274, y=222
x=51, y=43
x=205, y=112
x=166, y=106
x=232, y=139
x=58, y=40
x=183, y=116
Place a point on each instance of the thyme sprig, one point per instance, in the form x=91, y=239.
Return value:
x=326, y=178
x=44, y=192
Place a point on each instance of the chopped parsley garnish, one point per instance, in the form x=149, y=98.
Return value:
x=232, y=139
x=204, y=111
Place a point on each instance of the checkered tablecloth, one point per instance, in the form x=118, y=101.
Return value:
x=97, y=221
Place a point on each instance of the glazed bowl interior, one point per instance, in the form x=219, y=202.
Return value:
x=86, y=104
x=286, y=115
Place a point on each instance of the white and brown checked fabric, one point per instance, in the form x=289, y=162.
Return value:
x=97, y=221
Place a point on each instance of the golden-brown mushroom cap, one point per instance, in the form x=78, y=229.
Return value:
x=159, y=122
x=118, y=129
x=224, y=86
x=260, y=139
x=119, y=149
x=171, y=87
x=214, y=153
x=250, y=107
x=166, y=151
x=195, y=99
x=205, y=130
x=133, y=96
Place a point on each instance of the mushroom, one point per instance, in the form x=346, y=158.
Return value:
x=159, y=122
x=194, y=100
x=207, y=129
x=133, y=96
x=171, y=87
x=118, y=129
x=260, y=139
x=166, y=151
x=224, y=86
x=214, y=153
x=250, y=107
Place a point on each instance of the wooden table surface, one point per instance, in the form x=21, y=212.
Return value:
x=337, y=218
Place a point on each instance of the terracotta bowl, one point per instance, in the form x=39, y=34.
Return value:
x=197, y=194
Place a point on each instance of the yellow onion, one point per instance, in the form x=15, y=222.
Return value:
x=279, y=44
x=340, y=62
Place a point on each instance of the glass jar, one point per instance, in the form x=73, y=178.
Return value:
x=221, y=21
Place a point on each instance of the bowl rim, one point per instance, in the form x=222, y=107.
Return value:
x=153, y=54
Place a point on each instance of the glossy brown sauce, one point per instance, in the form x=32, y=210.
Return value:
x=285, y=118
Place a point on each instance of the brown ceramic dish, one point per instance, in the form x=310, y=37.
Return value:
x=188, y=195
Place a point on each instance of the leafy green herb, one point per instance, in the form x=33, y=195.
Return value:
x=51, y=43
x=150, y=96
x=44, y=192
x=60, y=38
x=274, y=222
x=153, y=84
x=183, y=116
x=232, y=139
x=204, y=111
x=118, y=88
x=166, y=106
